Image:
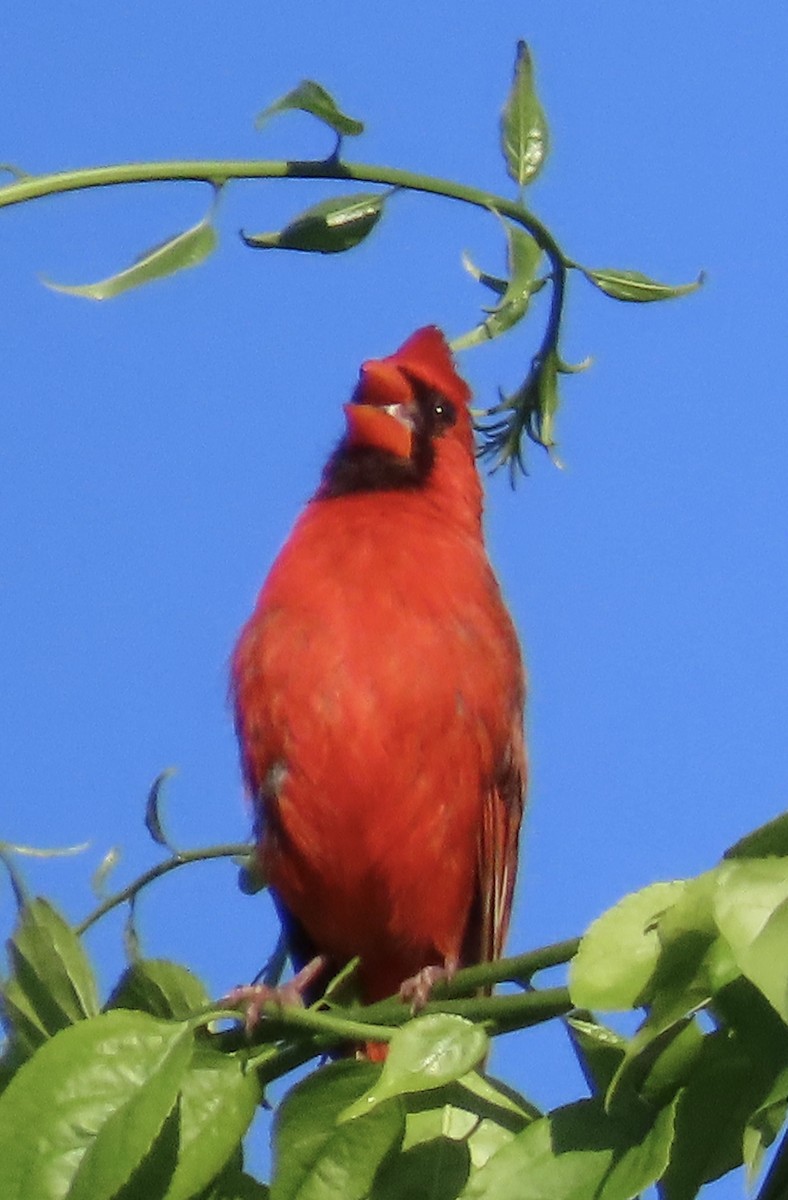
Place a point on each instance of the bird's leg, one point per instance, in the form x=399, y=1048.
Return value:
x=417, y=990
x=251, y=997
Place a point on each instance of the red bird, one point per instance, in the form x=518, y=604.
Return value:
x=379, y=692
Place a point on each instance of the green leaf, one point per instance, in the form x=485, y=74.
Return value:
x=578, y=1153
x=599, y=1051
x=52, y=984
x=432, y=1170
x=311, y=97
x=236, y=1185
x=524, y=134
x=524, y=255
x=330, y=227
x=425, y=1053
x=619, y=952
x=81, y=1115
x=636, y=287
x=219, y=1097
x=751, y=910
x=159, y=987
x=317, y=1159
x=769, y=839
x=549, y=399
x=188, y=249
x=493, y=282
x=153, y=821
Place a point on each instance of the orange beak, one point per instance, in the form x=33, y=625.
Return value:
x=380, y=414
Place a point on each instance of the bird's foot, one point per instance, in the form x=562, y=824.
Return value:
x=417, y=990
x=251, y=997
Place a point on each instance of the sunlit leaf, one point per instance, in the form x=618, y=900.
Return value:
x=51, y=984
x=524, y=134
x=311, y=97
x=330, y=227
x=494, y=282
x=188, y=249
x=751, y=909
x=85, y=1110
x=578, y=1152
x=636, y=287
x=44, y=851
x=425, y=1053
x=164, y=989
x=313, y=1155
x=219, y=1097
x=619, y=952
x=524, y=255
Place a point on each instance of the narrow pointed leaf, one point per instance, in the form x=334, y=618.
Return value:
x=637, y=288
x=329, y=227
x=52, y=983
x=44, y=851
x=494, y=282
x=188, y=249
x=524, y=133
x=311, y=97
x=153, y=809
x=80, y=1116
x=524, y=255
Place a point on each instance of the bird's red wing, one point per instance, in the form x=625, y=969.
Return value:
x=497, y=854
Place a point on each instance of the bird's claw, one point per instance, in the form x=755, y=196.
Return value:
x=252, y=997
x=417, y=990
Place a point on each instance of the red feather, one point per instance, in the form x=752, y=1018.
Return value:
x=379, y=690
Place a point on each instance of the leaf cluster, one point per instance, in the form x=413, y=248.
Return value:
x=150, y=1092
x=535, y=261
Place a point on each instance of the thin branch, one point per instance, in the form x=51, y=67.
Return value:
x=231, y=850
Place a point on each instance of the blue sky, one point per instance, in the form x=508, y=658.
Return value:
x=154, y=450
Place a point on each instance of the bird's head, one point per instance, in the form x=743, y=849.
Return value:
x=408, y=412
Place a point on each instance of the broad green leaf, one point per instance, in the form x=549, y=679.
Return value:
x=767, y=840
x=524, y=255
x=725, y=1087
x=330, y=227
x=219, y=1097
x=81, y=1115
x=751, y=910
x=577, y=1153
x=311, y=97
x=619, y=952
x=236, y=1185
x=636, y=287
x=159, y=987
x=524, y=135
x=188, y=249
x=317, y=1159
x=52, y=983
x=153, y=806
x=432, y=1170
x=425, y=1053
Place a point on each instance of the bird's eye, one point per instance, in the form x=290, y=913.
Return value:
x=444, y=413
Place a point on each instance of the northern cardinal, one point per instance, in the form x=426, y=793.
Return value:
x=378, y=691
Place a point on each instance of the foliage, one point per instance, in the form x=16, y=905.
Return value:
x=535, y=260
x=149, y=1091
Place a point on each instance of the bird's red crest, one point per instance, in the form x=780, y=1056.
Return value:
x=426, y=356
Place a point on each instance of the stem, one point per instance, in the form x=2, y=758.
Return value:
x=220, y=171
x=231, y=850
x=503, y=1012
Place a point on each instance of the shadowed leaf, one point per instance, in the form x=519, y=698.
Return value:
x=311, y=97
